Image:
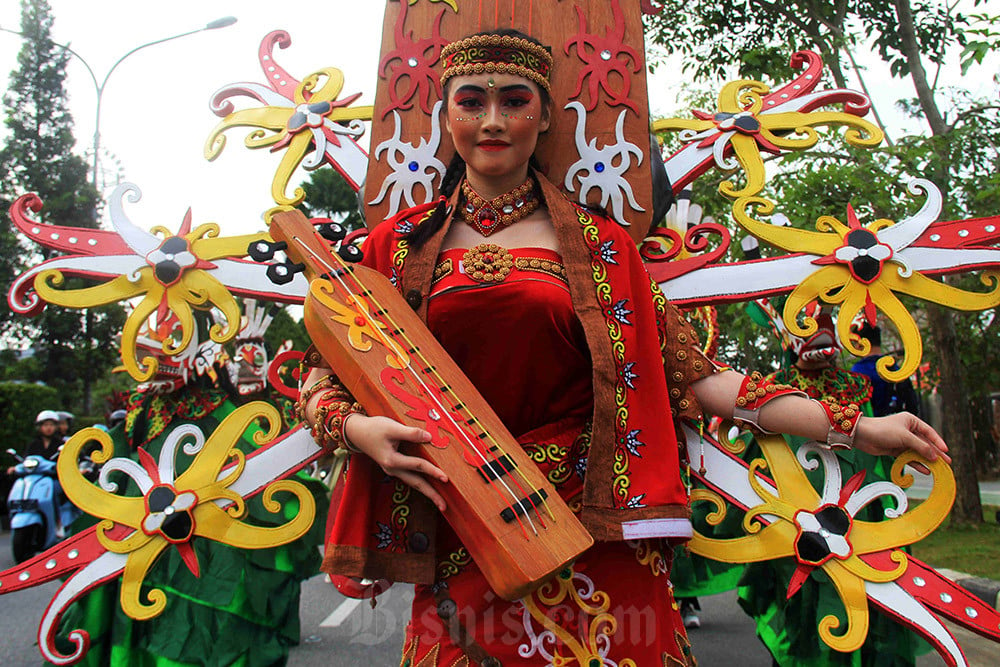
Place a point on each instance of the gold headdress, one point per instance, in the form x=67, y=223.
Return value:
x=497, y=53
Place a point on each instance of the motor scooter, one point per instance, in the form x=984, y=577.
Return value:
x=39, y=511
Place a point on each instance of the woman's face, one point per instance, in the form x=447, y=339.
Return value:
x=494, y=121
x=47, y=428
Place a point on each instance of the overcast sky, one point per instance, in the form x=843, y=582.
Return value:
x=155, y=108
x=156, y=117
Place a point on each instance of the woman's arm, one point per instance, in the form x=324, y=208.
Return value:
x=380, y=438
x=797, y=415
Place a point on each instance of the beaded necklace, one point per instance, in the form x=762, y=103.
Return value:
x=489, y=216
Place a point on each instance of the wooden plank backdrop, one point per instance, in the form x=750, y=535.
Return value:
x=411, y=39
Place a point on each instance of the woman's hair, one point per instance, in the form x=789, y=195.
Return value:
x=456, y=168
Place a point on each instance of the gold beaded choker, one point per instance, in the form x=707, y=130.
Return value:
x=489, y=216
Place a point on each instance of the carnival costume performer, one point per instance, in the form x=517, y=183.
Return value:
x=788, y=626
x=244, y=611
x=547, y=308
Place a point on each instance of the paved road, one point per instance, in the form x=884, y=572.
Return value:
x=989, y=492
x=337, y=632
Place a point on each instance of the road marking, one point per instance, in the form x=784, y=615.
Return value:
x=341, y=613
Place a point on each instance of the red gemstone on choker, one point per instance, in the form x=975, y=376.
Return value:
x=489, y=216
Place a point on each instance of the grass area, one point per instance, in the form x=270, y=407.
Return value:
x=974, y=550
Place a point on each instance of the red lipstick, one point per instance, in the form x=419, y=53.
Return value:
x=493, y=145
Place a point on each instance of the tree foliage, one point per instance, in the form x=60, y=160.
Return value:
x=37, y=156
x=756, y=38
x=328, y=195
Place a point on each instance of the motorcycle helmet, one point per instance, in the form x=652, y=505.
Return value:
x=47, y=415
x=65, y=416
x=116, y=418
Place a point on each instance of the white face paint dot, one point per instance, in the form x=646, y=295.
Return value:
x=771, y=102
x=809, y=76
x=919, y=581
x=990, y=228
x=73, y=555
x=73, y=239
x=35, y=230
x=796, y=87
x=51, y=564
x=24, y=576
x=412, y=62
x=54, y=236
x=270, y=69
x=963, y=233
x=282, y=83
x=92, y=242
x=945, y=598
x=935, y=237
x=970, y=612
x=266, y=58
x=605, y=55
x=784, y=96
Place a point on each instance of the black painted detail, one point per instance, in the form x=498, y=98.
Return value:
x=263, y=251
x=521, y=507
x=496, y=468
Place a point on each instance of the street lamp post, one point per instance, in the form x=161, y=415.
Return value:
x=99, y=89
x=100, y=86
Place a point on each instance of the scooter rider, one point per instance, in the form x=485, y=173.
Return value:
x=46, y=442
x=64, y=425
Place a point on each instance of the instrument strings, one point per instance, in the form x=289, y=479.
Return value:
x=458, y=429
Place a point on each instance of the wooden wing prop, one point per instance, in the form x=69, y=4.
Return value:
x=597, y=147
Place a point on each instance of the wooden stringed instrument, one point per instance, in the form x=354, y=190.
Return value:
x=507, y=514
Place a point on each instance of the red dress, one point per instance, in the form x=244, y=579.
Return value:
x=507, y=320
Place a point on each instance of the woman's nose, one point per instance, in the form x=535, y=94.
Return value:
x=494, y=118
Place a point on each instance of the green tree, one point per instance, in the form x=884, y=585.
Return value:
x=285, y=327
x=958, y=154
x=329, y=195
x=37, y=157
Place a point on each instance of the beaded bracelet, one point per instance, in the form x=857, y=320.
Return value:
x=335, y=422
x=306, y=395
x=843, y=422
x=331, y=410
x=755, y=392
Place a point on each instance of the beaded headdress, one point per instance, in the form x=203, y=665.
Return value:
x=497, y=54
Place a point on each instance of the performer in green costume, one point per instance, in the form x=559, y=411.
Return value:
x=244, y=608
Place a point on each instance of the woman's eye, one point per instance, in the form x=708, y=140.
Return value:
x=516, y=102
x=468, y=103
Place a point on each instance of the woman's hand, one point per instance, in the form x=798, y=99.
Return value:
x=380, y=438
x=893, y=434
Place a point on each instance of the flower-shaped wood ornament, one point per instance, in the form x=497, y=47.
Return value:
x=863, y=268
x=751, y=119
x=176, y=508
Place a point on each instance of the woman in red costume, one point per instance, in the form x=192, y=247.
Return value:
x=546, y=306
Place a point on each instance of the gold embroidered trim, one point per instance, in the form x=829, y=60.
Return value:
x=442, y=270
x=542, y=266
x=497, y=53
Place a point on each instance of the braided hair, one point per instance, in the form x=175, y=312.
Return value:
x=456, y=168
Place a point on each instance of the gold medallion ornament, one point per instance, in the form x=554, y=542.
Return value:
x=487, y=263
x=487, y=216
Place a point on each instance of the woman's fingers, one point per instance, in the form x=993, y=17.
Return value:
x=895, y=434
x=400, y=461
x=421, y=484
x=934, y=441
x=381, y=438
